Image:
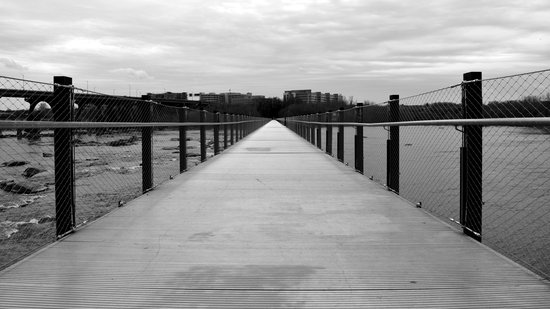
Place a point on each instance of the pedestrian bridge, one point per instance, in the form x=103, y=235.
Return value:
x=272, y=222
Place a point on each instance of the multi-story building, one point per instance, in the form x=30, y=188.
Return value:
x=298, y=96
x=230, y=98
x=325, y=99
x=168, y=96
x=336, y=98
x=211, y=98
x=308, y=97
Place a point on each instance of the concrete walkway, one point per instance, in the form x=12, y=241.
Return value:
x=272, y=222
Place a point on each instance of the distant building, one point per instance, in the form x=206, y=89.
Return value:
x=336, y=98
x=230, y=98
x=168, y=95
x=211, y=98
x=325, y=99
x=308, y=97
x=298, y=96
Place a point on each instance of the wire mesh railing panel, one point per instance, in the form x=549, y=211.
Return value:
x=516, y=198
x=430, y=156
x=516, y=165
x=108, y=161
x=108, y=171
x=27, y=190
x=165, y=144
x=374, y=142
x=430, y=168
x=518, y=96
x=374, y=145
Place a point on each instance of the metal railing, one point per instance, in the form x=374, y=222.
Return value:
x=69, y=155
x=476, y=153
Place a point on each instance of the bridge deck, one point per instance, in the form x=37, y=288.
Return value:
x=273, y=222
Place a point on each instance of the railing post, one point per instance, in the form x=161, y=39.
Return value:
x=247, y=126
x=328, y=139
x=239, y=128
x=392, y=148
x=182, y=115
x=340, y=137
x=147, y=148
x=302, y=127
x=312, y=128
x=232, y=127
x=225, y=141
x=203, y=135
x=299, y=125
x=308, y=129
x=62, y=109
x=359, y=139
x=319, y=132
x=216, y=134
x=471, y=198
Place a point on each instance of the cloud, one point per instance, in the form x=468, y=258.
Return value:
x=265, y=46
x=132, y=73
x=11, y=64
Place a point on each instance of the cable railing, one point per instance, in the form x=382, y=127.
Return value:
x=476, y=154
x=69, y=156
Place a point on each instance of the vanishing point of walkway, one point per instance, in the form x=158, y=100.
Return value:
x=272, y=222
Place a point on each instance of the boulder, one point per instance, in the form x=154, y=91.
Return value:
x=123, y=142
x=25, y=187
x=31, y=171
x=46, y=219
x=14, y=163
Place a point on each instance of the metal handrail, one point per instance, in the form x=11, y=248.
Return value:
x=16, y=124
x=528, y=121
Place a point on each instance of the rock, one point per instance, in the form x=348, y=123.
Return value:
x=175, y=139
x=46, y=219
x=9, y=205
x=123, y=142
x=171, y=148
x=14, y=163
x=31, y=171
x=96, y=163
x=25, y=187
x=8, y=228
x=191, y=155
x=47, y=155
x=78, y=142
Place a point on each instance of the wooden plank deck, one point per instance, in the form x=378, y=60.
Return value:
x=273, y=222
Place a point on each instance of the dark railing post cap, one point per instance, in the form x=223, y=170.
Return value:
x=471, y=76
x=63, y=80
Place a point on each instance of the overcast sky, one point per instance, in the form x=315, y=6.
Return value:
x=361, y=48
